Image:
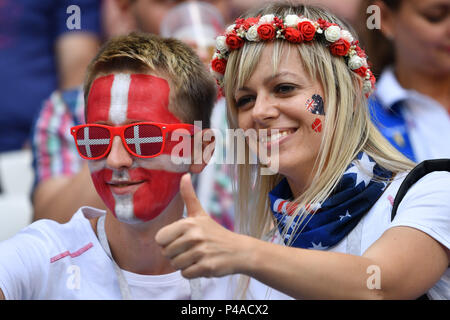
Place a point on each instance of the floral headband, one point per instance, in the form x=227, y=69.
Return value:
x=295, y=29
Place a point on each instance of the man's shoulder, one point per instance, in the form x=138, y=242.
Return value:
x=51, y=233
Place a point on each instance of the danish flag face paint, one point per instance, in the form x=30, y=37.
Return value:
x=142, y=191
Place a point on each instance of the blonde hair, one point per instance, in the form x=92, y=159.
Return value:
x=194, y=91
x=348, y=129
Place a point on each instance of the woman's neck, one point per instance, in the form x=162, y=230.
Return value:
x=432, y=85
x=133, y=247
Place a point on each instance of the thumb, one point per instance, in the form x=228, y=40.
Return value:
x=193, y=206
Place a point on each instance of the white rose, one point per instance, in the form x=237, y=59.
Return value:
x=230, y=28
x=345, y=34
x=367, y=87
x=268, y=18
x=221, y=44
x=291, y=20
x=252, y=34
x=333, y=33
x=355, y=62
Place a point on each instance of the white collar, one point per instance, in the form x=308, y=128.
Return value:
x=389, y=91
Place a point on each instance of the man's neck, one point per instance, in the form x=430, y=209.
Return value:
x=432, y=85
x=133, y=246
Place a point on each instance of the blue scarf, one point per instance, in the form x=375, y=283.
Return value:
x=327, y=224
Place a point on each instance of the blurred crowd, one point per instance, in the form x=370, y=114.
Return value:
x=45, y=47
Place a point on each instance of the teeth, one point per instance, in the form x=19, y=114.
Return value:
x=275, y=137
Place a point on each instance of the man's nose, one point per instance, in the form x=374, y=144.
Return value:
x=118, y=156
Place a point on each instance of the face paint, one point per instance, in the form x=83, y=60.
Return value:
x=142, y=191
x=117, y=97
x=317, y=125
x=143, y=201
x=315, y=105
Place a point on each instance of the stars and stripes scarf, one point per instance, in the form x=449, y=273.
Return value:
x=329, y=222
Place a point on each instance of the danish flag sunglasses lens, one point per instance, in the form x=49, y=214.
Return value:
x=93, y=141
x=144, y=139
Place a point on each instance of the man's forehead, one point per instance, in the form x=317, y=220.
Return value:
x=120, y=96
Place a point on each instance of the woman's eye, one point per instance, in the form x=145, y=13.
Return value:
x=436, y=16
x=244, y=101
x=284, y=88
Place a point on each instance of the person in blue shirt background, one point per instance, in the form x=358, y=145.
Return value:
x=411, y=59
x=42, y=48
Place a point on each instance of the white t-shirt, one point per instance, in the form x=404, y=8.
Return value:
x=426, y=207
x=48, y=260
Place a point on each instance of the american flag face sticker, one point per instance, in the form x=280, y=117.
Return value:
x=315, y=105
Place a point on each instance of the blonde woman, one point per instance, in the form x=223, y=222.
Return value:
x=326, y=214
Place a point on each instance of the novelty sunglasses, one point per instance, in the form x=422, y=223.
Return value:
x=143, y=139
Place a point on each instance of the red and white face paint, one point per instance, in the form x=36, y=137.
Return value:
x=143, y=190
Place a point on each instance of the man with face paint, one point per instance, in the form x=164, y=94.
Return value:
x=143, y=95
x=134, y=189
x=59, y=172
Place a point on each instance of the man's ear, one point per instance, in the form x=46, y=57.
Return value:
x=202, y=150
x=123, y=5
x=387, y=20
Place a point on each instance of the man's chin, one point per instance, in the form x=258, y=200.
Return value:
x=131, y=217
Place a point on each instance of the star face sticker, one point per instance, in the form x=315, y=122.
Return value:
x=347, y=214
x=362, y=176
x=317, y=246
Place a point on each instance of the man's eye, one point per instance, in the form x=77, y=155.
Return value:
x=244, y=101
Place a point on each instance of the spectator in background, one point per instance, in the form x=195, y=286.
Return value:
x=344, y=9
x=62, y=181
x=198, y=23
x=411, y=58
x=39, y=53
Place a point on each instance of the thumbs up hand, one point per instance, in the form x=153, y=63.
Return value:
x=197, y=245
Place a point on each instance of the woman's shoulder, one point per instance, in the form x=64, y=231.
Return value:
x=426, y=207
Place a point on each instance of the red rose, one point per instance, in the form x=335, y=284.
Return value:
x=373, y=80
x=360, y=52
x=234, y=41
x=293, y=35
x=340, y=47
x=278, y=22
x=323, y=24
x=266, y=31
x=252, y=21
x=219, y=65
x=307, y=30
x=361, y=71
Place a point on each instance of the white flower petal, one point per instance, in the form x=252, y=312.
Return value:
x=291, y=20
x=221, y=44
x=345, y=34
x=230, y=28
x=333, y=33
x=355, y=62
x=252, y=34
x=268, y=18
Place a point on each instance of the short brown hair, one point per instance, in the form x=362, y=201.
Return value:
x=193, y=89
